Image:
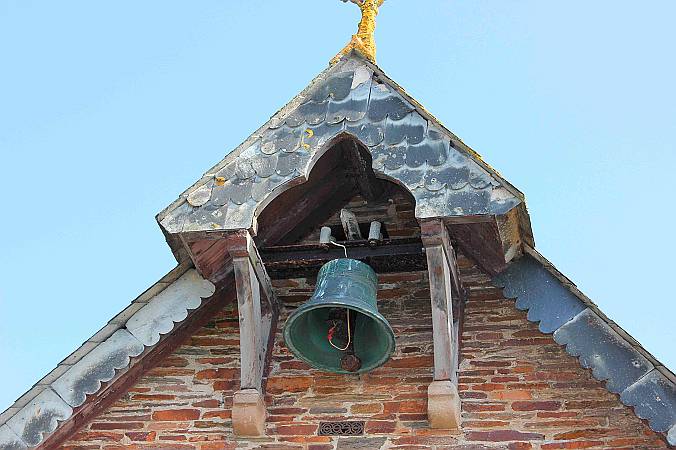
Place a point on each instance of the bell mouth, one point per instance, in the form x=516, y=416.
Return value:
x=305, y=334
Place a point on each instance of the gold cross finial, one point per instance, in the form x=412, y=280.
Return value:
x=364, y=41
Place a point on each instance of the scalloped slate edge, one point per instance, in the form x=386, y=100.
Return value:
x=39, y=418
x=170, y=306
x=36, y=419
x=588, y=335
x=9, y=440
x=653, y=398
x=97, y=366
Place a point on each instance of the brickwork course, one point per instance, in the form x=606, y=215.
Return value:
x=520, y=389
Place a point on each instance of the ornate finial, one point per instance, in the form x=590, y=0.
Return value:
x=364, y=41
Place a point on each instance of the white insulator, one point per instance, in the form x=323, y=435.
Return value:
x=375, y=235
x=325, y=237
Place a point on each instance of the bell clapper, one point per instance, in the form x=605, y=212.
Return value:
x=334, y=328
x=349, y=361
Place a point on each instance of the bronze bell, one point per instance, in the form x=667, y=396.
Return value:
x=339, y=329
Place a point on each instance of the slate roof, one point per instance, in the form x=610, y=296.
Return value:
x=601, y=345
x=408, y=145
x=353, y=98
x=136, y=329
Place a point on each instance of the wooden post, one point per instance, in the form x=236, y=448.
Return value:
x=249, y=308
x=443, y=401
x=256, y=318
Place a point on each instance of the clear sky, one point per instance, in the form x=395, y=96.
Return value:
x=109, y=110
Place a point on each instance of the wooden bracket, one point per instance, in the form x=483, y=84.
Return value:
x=444, y=282
x=443, y=402
x=256, y=312
x=257, y=319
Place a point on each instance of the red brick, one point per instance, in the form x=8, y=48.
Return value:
x=574, y=444
x=558, y=414
x=278, y=385
x=488, y=387
x=382, y=427
x=176, y=415
x=468, y=394
x=484, y=424
x=216, y=361
x=117, y=426
x=519, y=446
x=221, y=414
x=170, y=372
x=98, y=436
x=491, y=363
x=411, y=362
x=207, y=404
x=577, y=434
x=213, y=341
x=226, y=385
x=502, y=435
x=482, y=407
x=536, y=406
x=297, y=430
x=366, y=408
x=142, y=436
x=294, y=365
x=213, y=374
x=504, y=379
x=154, y=397
x=511, y=395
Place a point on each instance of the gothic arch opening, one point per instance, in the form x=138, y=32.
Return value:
x=342, y=175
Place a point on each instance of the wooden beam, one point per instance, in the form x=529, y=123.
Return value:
x=256, y=317
x=482, y=242
x=250, y=334
x=443, y=277
x=240, y=244
x=443, y=401
x=304, y=260
x=359, y=169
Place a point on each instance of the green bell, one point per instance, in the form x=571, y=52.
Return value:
x=340, y=329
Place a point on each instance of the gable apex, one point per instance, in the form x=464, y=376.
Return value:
x=352, y=99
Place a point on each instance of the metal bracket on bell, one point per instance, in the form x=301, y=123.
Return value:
x=375, y=236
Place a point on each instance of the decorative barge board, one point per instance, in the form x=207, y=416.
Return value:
x=443, y=401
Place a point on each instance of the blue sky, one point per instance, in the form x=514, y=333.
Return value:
x=109, y=110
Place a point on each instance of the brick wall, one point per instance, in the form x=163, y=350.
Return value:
x=520, y=389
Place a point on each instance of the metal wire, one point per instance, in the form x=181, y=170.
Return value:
x=340, y=245
x=349, y=337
